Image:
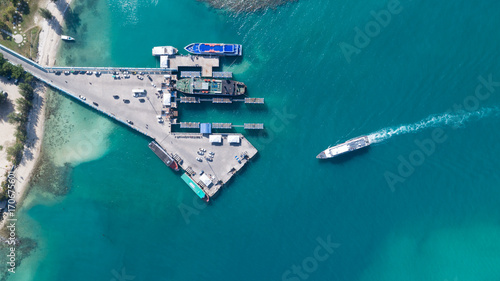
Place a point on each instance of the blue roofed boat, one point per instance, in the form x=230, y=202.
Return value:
x=195, y=187
x=214, y=49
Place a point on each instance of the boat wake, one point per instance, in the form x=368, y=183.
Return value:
x=454, y=120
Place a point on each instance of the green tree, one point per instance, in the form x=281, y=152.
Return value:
x=21, y=133
x=14, y=118
x=23, y=106
x=3, y=97
x=28, y=78
x=46, y=14
x=17, y=71
x=6, y=69
x=11, y=11
x=25, y=7
x=15, y=152
x=26, y=91
x=4, y=26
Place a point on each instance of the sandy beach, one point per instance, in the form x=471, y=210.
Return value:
x=47, y=52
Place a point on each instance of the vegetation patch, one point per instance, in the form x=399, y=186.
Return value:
x=18, y=31
x=20, y=116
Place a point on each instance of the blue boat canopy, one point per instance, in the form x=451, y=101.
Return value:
x=205, y=128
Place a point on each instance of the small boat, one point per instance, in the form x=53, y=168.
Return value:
x=67, y=38
x=164, y=51
x=206, y=198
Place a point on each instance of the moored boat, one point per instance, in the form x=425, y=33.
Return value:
x=67, y=38
x=163, y=155
x=213, y=87
x=348, y=146
x=216, y=49
x=164, y=51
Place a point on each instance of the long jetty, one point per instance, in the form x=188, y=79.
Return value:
x=109, y=91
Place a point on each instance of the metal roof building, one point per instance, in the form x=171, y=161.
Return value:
x=206, y=128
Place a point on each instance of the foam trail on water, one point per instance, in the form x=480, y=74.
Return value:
x=455, y=119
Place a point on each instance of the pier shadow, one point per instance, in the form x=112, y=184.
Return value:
x=341, y=159
x=258, y=133
x=261, y=108
x=229, y=61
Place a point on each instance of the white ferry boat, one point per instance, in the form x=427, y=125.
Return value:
x=348, y=146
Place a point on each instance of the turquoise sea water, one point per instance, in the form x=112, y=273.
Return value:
x=419, y=204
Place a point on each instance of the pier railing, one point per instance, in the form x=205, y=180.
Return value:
x=21, y=57
x=107, y=70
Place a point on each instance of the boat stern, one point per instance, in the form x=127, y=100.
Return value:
x=241, y=88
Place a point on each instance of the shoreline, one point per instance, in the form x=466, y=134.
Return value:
x=48, y=46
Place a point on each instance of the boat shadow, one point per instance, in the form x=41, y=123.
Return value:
x=341, y=159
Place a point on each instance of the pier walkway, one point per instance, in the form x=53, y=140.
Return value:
x=113, y=97
x=206, y=63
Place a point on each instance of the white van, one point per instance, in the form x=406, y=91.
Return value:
x=138, y=92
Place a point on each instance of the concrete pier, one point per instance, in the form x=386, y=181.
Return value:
x=206, y=63
x=147, y=113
